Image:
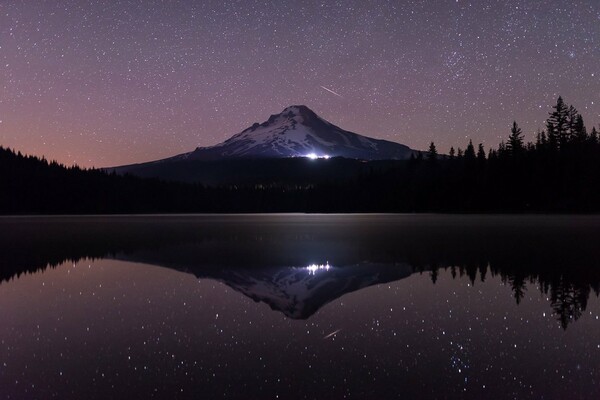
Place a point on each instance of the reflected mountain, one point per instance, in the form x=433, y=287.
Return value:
x=300, y=292
x=265, y=256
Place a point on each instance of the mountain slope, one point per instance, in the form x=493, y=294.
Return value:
x=297, y=132
x=276, y=151
x=299, y=293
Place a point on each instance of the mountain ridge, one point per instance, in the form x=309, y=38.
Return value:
x=295, y=132
x=278, y=150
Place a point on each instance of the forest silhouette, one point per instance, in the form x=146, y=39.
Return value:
x=557, y=173
x=533, y=255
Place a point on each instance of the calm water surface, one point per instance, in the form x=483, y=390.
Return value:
x=297, y=306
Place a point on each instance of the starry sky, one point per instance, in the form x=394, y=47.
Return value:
x=155, y=332
x=103, y=83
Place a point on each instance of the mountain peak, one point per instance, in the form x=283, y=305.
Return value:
x=296, y=113
x=300, y=110
x=296, y=109
x=299, y=293
x=297, y=131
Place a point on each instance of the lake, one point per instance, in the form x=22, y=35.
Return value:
x=300, y=307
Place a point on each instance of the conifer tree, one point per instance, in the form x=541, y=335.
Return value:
x=541, y=139
x=557, y=125
x=480, y=153
x=470, y=151
x=501, y=149
x=572, y=116
x=579, y=131
x=515, y=140
x=594, y=136
x=432, y=153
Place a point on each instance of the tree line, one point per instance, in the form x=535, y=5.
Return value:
x=557, y=173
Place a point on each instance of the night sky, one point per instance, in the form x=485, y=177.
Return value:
x=102, y=83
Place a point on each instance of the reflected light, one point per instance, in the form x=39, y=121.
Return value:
x=313, y=268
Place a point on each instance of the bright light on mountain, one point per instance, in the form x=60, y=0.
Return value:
x=313, y=268
x=314, y=156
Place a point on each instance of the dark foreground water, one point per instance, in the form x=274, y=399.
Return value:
x=296, y=306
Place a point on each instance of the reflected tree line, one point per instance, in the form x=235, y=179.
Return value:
x=558, y=257
x=568, y=293
x=558, y=172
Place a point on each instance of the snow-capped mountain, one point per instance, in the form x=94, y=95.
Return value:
x=298, y=132
x=258, y=154
x=299, y=292
x=296, y=291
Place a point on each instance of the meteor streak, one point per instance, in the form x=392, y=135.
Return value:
x=331, y=334
x=331, y=91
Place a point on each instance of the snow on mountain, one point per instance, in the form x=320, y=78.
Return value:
x=299, y=292
x=298, y=132
x=249, y=156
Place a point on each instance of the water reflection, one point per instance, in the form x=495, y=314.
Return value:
x=568, y=290
x=262, y=255
x=112, y=329
x=363, y=307
x=300, y=292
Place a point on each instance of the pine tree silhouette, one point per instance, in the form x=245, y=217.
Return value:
x=515, y=140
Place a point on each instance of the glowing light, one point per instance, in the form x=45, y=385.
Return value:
x=313, y=268
x=314, y=156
